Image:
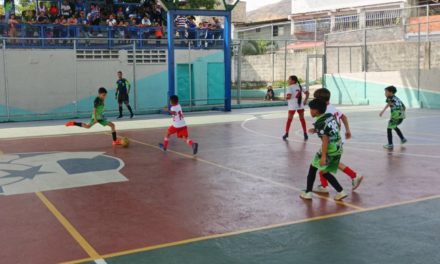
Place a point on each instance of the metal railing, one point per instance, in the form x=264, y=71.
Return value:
x=62, y=36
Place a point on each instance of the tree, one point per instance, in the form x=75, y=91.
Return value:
x=191, y=4
x=255, y=47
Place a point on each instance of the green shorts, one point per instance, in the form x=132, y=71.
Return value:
x=332, y=164
x=394, y=123
x=103, y=122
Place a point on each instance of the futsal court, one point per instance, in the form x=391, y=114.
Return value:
x=69, y=196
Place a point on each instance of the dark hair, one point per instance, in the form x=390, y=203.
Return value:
x=322, y=94
x=295, y=79
x=102, y=90
x=391, y=89
x=120, y=72
x=174, y=99
x=319, y=105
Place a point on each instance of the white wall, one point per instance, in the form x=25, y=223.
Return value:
x=305, y=6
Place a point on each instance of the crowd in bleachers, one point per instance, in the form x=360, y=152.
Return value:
x=73, y=19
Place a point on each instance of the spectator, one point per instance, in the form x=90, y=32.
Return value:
x=72, y=22
x=157, y=13
x=158, y=33
x=53, y=12
x=146, y=21
x=217, y=27
x=181, y=23
x=120, y=16
x=111, y=21
x=270, y=94
x=79, y=6
x=41, y=8
x=192, y=28
x=93, y=16
x=42, y=18
x=82, y=20
x=66, y=10
x=12, y=27
x=29, y=20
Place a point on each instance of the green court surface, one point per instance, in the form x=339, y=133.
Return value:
x=403, y=234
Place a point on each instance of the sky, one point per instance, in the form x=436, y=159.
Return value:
x=254, y=4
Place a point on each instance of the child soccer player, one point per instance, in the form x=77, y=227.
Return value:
x=327, y=159
x=98, y=117
x=324, y=95
x=179, y=126
x=296, y=104
x=397, y=115
x=122, y=94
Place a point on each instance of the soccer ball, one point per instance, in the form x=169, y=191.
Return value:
x=125, y=142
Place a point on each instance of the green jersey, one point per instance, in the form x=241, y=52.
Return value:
x=326, y=124
x=397, y=107
x=98, y=104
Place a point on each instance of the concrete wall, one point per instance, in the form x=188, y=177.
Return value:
x=307, y=6
x=265, y=33
x=46, y=84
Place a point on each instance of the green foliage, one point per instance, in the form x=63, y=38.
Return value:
x=191, y=4
x=255, y=47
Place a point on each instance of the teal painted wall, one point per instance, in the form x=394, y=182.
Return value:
x=350, y=91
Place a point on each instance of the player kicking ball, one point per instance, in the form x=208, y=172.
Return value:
x=98, y=116
x=179, y=126
x=328, y=157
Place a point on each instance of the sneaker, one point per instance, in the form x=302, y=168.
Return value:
x=340, y=195
x=357, y=181
x=117, y=142
x=388, y=146
x=162, y=147
x=285, y=136
x=320, y=189
x=404, y=141
x=306, y=195
x=119, y=117
x=70, y=123
x=195, y=148
x=306, y=137
x=131, y=116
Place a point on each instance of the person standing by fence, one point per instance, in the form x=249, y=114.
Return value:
x=122, y=94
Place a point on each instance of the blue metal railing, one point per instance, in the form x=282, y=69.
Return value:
x=62, y=36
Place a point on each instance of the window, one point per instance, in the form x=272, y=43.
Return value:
x=281, y=31
x=275, y=31
x=258, y=30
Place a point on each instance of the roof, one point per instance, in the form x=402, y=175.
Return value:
x=271, y=12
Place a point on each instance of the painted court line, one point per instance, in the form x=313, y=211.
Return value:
x=247, y=174
x=250, y=230
x=71, y=229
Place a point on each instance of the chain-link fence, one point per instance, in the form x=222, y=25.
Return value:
x=361, y=63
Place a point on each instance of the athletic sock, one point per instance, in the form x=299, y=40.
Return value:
x=332, y=180
x=399, y=133
x=165, y=142
x=189, y=142
x=120, y=111
x=114, y=136
x=390, y=136
x=129, y=109
x=303, y=124
x=288, y=124
x=350, y=172
x=79, y=124
x=324, y=182
x=311, y=178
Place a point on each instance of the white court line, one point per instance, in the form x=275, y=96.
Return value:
x=100, y=261
x=243, y=126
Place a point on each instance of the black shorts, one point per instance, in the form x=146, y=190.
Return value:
x=122, y=98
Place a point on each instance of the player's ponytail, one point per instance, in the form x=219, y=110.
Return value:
x=295, y=79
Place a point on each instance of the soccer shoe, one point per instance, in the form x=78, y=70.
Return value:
x=356, y=182
x=70, y=123
x=340, y=195
x=306, y=137
x=306, y=195
x=320, y=189
x=131, y=116
x=195, y=147
x=285, y=136
x=403, y=141
x=162, y=147
x=388, y=146
x=119, y=117
x=117, y=142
